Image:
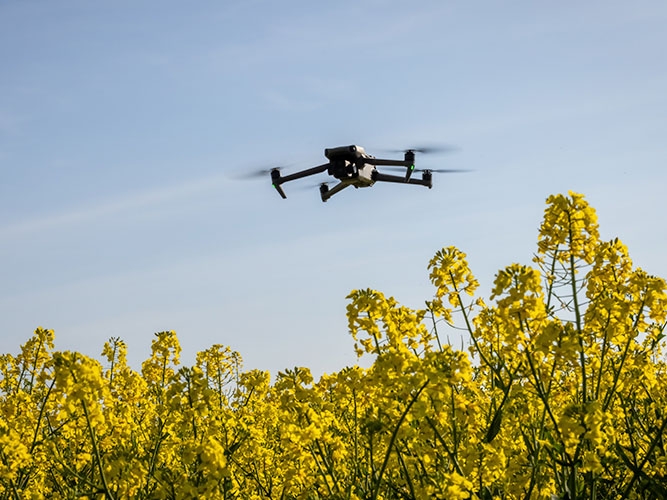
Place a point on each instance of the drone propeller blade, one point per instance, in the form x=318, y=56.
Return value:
x=430, y=149
x=445, y=170
x=259, y=173
x=254, y=175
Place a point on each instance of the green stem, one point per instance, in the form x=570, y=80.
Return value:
x=376, y=490
x=34, y=365
x=96, y=451
x=543, y=429
x=577, y=312
x=322, y=472
x=542, y=394
x=443, y=443
x=406, y=472
x=435, y=327
x=41, y=415
x=113, y=364
x=617, y=373
x=603, y=354
x=551, y=280
x=469, y=327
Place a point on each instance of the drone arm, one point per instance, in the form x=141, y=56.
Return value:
x=328, y=193
x=388, y=163
x=277, y=179
x=303, y=173
x=426, y=180
x=408, y=163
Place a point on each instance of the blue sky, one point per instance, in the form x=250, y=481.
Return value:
x=123, y=127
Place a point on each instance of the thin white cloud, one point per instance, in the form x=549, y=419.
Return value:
x=113, y=206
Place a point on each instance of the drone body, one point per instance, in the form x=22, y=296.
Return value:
x=352, y=166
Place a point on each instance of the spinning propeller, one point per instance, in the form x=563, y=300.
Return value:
x=423, y=149
x=261, y=172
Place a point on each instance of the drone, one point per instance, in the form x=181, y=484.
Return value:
x=352, y=166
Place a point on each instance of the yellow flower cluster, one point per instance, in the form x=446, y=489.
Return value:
x=560, y=395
